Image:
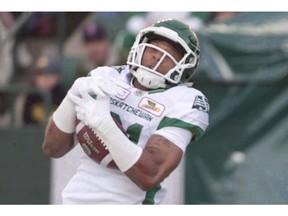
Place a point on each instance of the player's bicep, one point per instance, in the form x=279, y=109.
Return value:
x=163, y=150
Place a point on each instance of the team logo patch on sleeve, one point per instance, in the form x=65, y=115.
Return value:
x=201, y=103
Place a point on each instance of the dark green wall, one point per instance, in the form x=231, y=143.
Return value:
x=25, y=171
x=242, y=157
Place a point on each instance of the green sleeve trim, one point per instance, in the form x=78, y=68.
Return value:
x=150, y=195
x=156, y=91
x=173, y=122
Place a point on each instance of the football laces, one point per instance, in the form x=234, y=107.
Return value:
x=99, y=138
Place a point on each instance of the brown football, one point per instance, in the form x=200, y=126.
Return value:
x=93, y=146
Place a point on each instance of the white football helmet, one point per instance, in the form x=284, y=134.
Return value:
x=172, y=30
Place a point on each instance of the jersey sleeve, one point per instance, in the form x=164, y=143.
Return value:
x=176, y=135
x=190, y=111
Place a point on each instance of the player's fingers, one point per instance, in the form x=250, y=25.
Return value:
x=75, y=99
x=96, y=90
x=78, y=110
x=80, y=117
x=110, y=88
x=83, y=91
x=80, y=113
x=103, y=103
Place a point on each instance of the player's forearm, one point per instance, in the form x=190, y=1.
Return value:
x=155, y=163
x=145, y=172
x=144, y=167
x=59, y=131
x=56, y=142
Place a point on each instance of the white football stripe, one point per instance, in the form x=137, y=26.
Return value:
x=79, y=126
x=106, y=160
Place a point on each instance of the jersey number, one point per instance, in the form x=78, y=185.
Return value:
x=133, y=131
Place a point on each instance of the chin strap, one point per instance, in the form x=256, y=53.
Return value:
x=149, y=79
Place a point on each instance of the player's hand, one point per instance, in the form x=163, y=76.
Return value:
x=107, y=85
x=99, y=85
x=90, y=110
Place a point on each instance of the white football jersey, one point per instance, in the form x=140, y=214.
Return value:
x=141, y=113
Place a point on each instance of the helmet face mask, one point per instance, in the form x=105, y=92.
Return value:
x=175, y=32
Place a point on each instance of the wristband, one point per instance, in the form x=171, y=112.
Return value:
x=124, y=152
x=65, y=115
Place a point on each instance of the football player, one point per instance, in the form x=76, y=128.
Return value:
x=159, y=110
